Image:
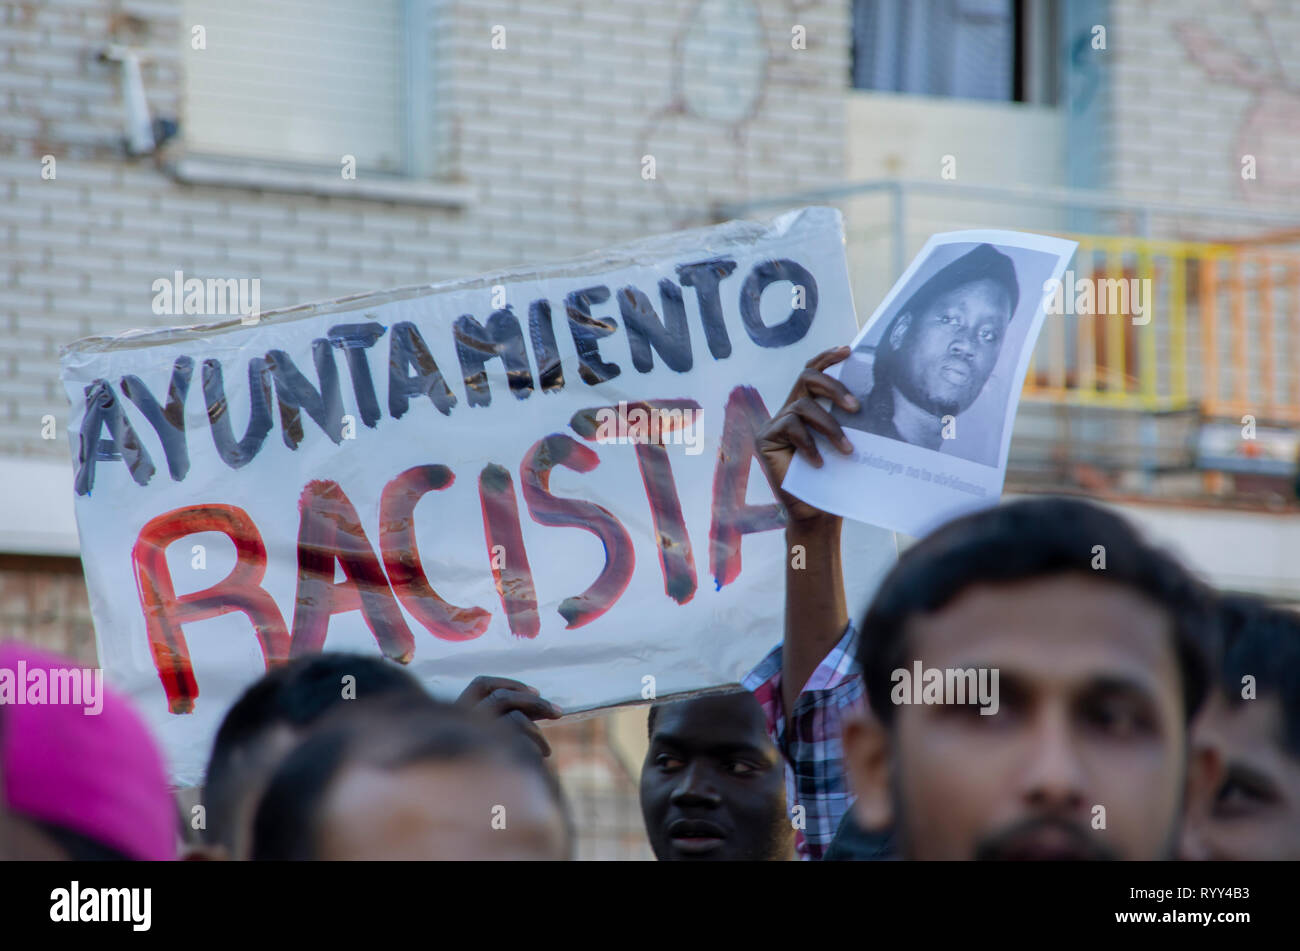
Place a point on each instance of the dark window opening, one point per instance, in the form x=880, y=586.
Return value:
x=963, y=49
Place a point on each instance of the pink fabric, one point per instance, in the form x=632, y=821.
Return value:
x=99, y=775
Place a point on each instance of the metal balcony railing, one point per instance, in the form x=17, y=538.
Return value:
x=1222, y=334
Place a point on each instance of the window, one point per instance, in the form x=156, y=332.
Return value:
x=305, y=82
x=965, y=49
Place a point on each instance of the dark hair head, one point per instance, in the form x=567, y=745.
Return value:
x=983, y=263
x=294, y=695
x=1262, y=640
x=653, y=716
x=1023, y=540
x=387, y=734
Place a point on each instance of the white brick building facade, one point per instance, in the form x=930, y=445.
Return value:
x=1197, y=85
x=547, y=136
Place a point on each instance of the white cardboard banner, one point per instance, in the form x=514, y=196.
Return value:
x=427, y=473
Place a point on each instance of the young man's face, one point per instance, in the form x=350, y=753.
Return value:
x=1254, y=812
x=455, y=810
x=713, y=787
x=1090, y=714
x=950, y=348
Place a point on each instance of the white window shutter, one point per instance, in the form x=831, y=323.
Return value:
x=298, y=81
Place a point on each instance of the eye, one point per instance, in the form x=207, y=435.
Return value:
x=1117, y=719
x=668, y=762
x=740, y=768
x=988, y=336
x=946, y=318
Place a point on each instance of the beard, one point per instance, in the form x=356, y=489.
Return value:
x=911, y=385
x=1021, y=841
x=1008, y=844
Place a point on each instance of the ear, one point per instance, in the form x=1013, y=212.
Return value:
x=1205, y=769
x=867, y=763
x=900, y=331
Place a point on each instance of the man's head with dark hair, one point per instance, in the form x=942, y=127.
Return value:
x=1252, y=727
x=713, y=784
x=267, y=720
x=1101, y=645
x=942, y=345
x=412, y=778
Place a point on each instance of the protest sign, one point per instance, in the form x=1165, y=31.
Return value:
x=545, y=474
x=938, y=371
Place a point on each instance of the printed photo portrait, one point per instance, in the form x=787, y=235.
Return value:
x=936, y=368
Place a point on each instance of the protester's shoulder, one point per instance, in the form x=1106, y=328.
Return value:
x=853, y=843
x=839, y=668
x=765, y=672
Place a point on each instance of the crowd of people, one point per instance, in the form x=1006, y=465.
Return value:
x=1135, y=714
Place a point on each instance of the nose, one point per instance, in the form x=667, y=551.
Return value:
x=960, y=345
x=694, y=788
x=1054, y=776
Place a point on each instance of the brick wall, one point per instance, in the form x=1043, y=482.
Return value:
x=43, y=601
x=550, y=132
x=1197, y=85
x=602, y=790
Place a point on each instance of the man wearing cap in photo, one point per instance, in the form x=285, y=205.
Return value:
x=938, y=351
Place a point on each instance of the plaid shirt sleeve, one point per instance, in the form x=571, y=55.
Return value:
x=814, y=765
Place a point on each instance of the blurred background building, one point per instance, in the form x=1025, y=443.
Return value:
x=141, y=137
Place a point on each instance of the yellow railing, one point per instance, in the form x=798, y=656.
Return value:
x=1220, y=329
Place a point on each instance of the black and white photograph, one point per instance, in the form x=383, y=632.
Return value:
x=937, y=373
x=936, y=370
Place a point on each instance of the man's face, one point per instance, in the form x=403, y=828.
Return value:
x=951, y=347
x=1254, y=813
x=1090, y=715
x=451, y=810
x=713, y=786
